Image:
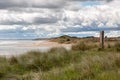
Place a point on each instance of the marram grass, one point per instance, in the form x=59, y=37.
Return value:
x=83, y=62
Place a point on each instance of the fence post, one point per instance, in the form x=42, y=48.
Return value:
x=102, y=39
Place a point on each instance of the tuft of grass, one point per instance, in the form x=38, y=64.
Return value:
x=80, y=46
x=117, y=46
x=108, y=46
x=13, y=60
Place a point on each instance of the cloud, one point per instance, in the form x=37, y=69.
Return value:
x=39, y=20
x=15, y=18
x=102, y=17
x=113, y=34
x=31, y=3
x=51, y=4
x=49, y=19
x=92, y=0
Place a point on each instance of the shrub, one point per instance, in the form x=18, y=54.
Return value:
x=117, y=46
x=108, y=46
x=80, y=46
x=13, y=60
x=58, y=50
x=100, y=49
x=2, y=74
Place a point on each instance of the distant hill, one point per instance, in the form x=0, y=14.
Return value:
x=89, y=37
x=66, y=36
x=65, y=39
x=41, y=39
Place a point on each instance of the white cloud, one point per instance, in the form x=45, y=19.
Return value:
x=6, y=4
x=3, y=27
x=48, y=18
x=113, y=34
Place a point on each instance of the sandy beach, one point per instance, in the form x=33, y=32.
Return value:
x=17, y=47
x=44, y=43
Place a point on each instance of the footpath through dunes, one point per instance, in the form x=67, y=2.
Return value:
x=18, y=47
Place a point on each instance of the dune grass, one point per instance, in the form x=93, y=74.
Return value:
x=82, y=62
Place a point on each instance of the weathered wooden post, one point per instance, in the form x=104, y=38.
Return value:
x=102, y=39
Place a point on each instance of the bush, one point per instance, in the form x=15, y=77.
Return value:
x=2, y=74
x=108, y=46
x=80, y=46
x=117, y=46
x=13, y=60
x=100, y=49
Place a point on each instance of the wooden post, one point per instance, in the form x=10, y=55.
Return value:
x=102, y=39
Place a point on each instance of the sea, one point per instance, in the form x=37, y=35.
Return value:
x=17, y=47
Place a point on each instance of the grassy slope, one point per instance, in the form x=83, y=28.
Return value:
x=83, y=62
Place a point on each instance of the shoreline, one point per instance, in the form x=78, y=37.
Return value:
x=18, y=47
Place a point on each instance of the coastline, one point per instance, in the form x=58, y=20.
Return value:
x=17, y=47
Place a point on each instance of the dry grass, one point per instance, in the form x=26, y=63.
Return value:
x=83, y=62
x=92, y=67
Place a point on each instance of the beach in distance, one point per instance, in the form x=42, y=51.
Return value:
x=17, y=47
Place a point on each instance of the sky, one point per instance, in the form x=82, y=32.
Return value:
x=29, y=19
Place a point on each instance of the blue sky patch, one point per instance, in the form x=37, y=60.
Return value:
x=91, y=3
